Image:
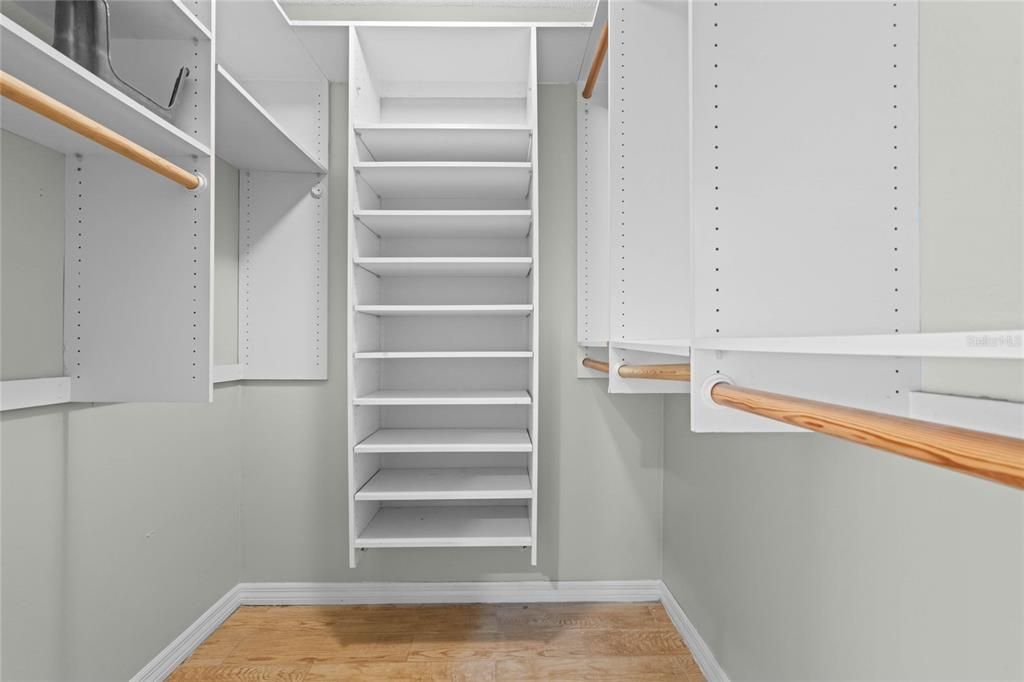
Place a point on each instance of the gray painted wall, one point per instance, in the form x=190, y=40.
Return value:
x=600, y=472
x=801, y=557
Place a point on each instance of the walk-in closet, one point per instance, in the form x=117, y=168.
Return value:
x=511, y=340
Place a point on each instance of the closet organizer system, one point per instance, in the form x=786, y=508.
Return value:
x=139, y=264
x=442, y=287
x=749, y=228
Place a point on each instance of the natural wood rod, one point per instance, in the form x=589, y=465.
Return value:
x=595, y=66
x=985, y=455
x=58, y=112
x=680, y=372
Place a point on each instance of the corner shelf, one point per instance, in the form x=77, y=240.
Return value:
x=470, y=483
x=446, y=180
x=396, y=397
x=248, y=137
x=446, y=440
x=447, y=267
x=447, y=224
x=471, y=526
x=443, y=142
x=26, y=57
x=451, y=310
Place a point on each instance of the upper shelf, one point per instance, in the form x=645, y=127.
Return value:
x=446, y=180
x=479, y=142
x=447, y=224
x=662, y=346
x=481, y=309
x=26, y=57
x=447, y=267
x=249, y=138
x=1001, y=344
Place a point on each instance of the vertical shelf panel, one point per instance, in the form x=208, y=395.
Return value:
x=138, y=273
x=649, y=176
x=592, y=230
x=805, y=195
x=283, y=275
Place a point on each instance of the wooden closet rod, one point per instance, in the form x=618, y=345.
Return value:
x=595, y=65
x=985, y=455
x=58, y=112
x=679, y=372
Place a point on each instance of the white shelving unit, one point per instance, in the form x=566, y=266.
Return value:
x=442, y=287
x=139, y=249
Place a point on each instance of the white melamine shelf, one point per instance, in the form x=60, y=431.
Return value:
x=445, y=397
x=441, y=142
x=450, y=310
x=17, y=394
x=463, y=483
x=249, y=138
x=447, y=224
x=443, y=354
x=447, y=267
x=662, y=346
x=142, y=19
x=446, y=180
x=446, y=440
x=1001, y=344
x=467, y=526
x=29, y=59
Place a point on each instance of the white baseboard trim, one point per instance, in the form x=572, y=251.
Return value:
x=263, y=594
x=694, y=642
x=184, y=644
x=449, y=593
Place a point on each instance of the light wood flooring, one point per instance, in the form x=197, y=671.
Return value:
x=473, y=642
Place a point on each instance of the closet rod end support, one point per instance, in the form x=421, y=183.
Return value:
x=708, y=386
x=203, y=183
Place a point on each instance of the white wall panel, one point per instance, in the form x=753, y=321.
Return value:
x=592, y=233
x=648, y=151
x=804, y=193
x=283, y=275
x=137, y=283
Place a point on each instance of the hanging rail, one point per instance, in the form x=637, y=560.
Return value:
x=595, y=65
x=58, y=112
x=985, y=455
x=680, y=372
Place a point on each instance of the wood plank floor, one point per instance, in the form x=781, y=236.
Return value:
x=472, y=642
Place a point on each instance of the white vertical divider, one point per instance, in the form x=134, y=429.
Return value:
x=648, y=185
x=805, y=195
x=283, y=275
x=531, y=103
x=592, y=231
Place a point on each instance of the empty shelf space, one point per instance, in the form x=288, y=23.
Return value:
x=473, y=483
x=447, y=224
x=446, y=440
x=443, y=354
x=445, y=397
x=147, y=19
x=469, y=526
x=450, y=310
x=442, y=142
x=452, y=180
x=29, y=59
x=447, y=267
x=249, y=138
